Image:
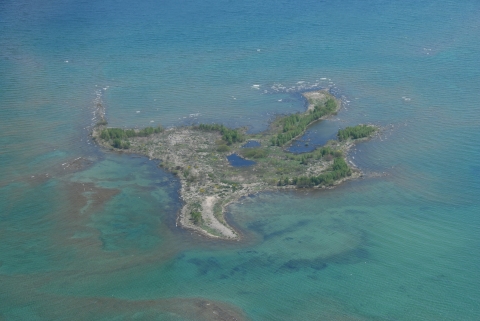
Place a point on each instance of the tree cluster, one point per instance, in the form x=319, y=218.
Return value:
x=338, y=170
x=230, y=136
x=196, y=217
x=196, y=214
x=120, y=144
x=294, y=125
x=118, y=137
x=113, y=133
x=326, y=152
x=356, y=132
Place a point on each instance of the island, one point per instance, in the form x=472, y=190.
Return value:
x=218, y=165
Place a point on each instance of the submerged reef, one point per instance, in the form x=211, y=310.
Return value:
x=198, y=156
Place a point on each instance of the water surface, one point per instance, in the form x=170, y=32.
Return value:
x=90, y=234
x=237, y=161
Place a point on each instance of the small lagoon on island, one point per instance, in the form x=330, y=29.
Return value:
x=238, y=161
x=316, y=136
x=251, y=143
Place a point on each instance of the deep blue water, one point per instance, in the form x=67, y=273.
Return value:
x=87, y=234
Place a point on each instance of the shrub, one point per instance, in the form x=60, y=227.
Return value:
x=196, y=217
x=338, y=170
x=117, y=143
x=130, y=133
x=120, y=144
x=105, y=134
x=223, y=148
x=338, y=153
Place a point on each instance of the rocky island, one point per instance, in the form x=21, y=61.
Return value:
x=198, y=156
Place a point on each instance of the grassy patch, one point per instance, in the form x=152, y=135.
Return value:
x=223, y=149
x=256, y=152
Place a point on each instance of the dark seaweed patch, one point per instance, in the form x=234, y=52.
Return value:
x=350, y=257
x=204, y=266
x=349, y=211
x=257, y=262
x=257, y=226
x=289, y=229
x=295, y=265
x=354, y=256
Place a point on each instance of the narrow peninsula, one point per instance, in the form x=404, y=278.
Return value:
x=198, y=156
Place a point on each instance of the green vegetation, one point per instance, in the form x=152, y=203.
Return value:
x=196, y=217
x=337, y=171
x=118, y=137
x=223, y=148
x=112, y=133
x=120, y=144
x=196, y=213
x=218, y=211
x=230, y=136
x=327, y=152
x=356, y=132
x=294, y=125
x=253, y=152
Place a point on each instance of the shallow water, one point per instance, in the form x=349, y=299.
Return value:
x=90, y=234
x=237, y=161
x=251, y=143
x=317, y=135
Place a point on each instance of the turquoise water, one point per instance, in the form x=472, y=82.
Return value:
x=89, y=234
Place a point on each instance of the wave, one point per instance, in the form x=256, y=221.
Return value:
x=98, y=106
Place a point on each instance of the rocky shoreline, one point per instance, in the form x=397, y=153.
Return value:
x=209, y=183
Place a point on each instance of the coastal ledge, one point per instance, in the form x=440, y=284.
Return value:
x=198, y=156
